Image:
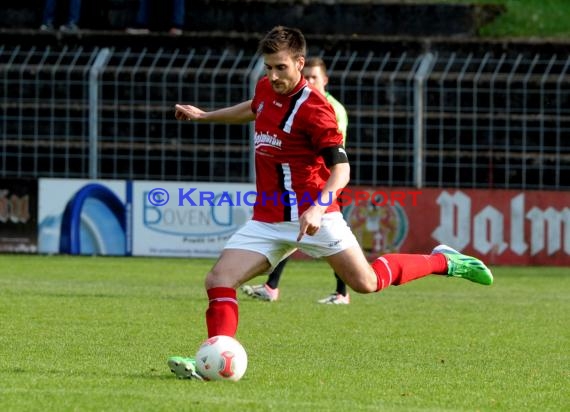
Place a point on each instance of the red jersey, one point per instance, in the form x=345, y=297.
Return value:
x=290, y=132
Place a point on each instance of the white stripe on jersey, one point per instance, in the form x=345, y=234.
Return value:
x=298, y=103
x=288, y=184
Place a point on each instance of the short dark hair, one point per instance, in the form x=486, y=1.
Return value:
x=316, y=62
x=283, y=38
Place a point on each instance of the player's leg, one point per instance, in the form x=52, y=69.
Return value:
x=340, y=285
x=268, y=291
x=442, y=260
x=351, y=265
x=275, y=276
x=391, y=269
x=336, y=242
x=340, y=296
x=254, y=249
x=234, y=267
x=400, y=268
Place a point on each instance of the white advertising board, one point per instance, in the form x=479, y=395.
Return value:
x=83, y=217
x=187, y=219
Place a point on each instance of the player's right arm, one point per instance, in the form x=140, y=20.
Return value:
x=240, y=113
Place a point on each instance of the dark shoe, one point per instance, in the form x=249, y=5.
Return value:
x=175, y=31
x=137, y=30
x=46, y=27
x=69, y=28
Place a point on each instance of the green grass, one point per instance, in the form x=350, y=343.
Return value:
x=93, y=334
x=525, y=18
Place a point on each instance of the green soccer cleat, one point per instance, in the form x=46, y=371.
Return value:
x=183, y=368
x=463, y=266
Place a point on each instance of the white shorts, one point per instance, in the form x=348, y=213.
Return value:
x=276, y=241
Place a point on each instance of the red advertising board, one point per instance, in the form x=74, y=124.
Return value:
x=507, y=227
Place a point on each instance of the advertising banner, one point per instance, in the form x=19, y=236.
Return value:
x=501, y=226
x=18, y=215
x=187, y=219
x=83, y=217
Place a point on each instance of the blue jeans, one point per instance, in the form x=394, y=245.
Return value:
x=178, y=11
x=74, y=11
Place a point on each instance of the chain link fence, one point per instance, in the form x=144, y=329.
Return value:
x=422, y=120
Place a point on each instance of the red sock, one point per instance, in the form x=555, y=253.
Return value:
x=222, y=313
x=399, y=268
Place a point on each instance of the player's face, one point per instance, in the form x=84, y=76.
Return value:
x=283, y=70
x=316, y=77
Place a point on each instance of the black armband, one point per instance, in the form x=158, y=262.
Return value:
x=334, y=155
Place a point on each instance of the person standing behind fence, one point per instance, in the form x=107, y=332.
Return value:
x=72, y=19
x=315, y=71
x=143, y=17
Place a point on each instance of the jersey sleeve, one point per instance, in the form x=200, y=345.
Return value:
x=257, y=94
x=323, y=126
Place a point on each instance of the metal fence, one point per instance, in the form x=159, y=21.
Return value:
x=473, y=121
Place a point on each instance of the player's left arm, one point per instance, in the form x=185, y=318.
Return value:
x=337, y=162
x=339, y=178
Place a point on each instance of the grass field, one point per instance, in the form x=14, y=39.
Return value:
x=93, y=334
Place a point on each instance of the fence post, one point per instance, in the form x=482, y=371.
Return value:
x=419, y=121
x=100, y=61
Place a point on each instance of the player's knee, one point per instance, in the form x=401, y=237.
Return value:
x=214, y=279
x=208, y=281
x=364, y=289
x=362, y=284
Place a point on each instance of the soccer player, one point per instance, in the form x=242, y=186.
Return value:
x=315, y=71
x=300, y=166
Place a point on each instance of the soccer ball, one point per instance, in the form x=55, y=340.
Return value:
x=221, y=358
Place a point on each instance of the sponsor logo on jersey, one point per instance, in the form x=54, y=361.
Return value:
x=266, y=139
x=259, y=109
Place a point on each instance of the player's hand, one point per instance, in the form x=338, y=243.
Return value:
x=188, y=112
x=310, y=222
